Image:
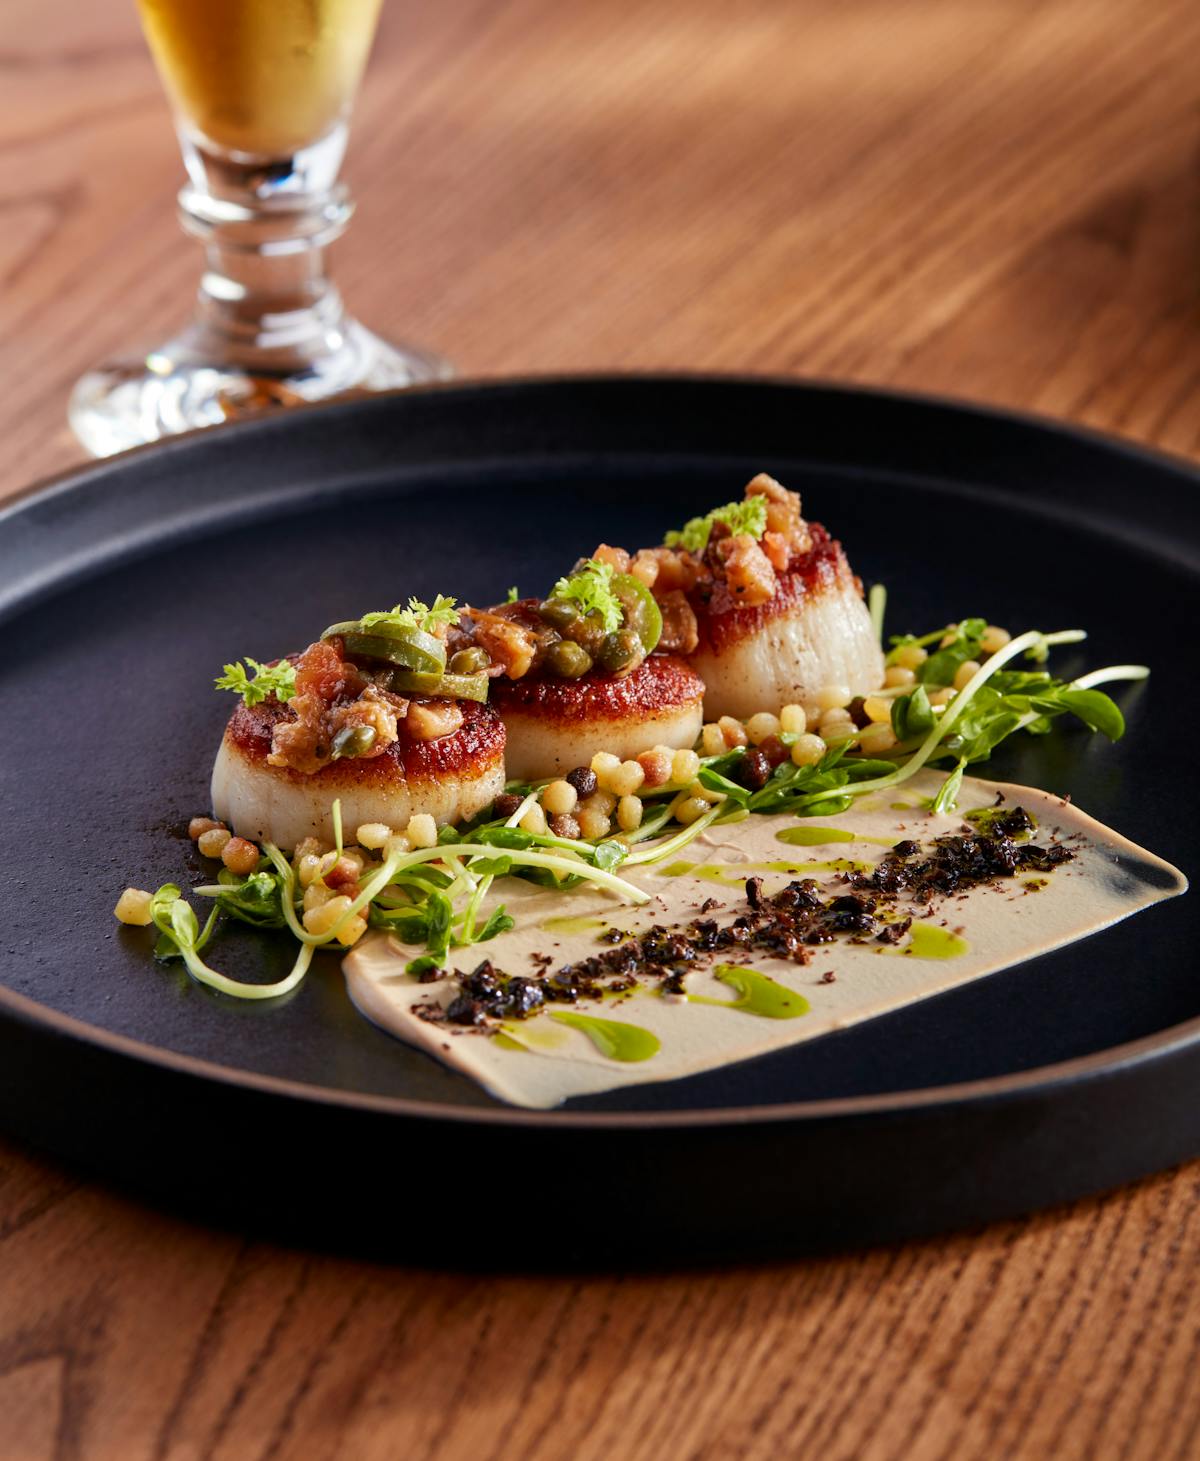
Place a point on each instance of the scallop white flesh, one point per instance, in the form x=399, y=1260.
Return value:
x=539, y=748
x=452, y=779
x=556, y=725
x=824, y=639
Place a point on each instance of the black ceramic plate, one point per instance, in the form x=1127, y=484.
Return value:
x=124, y=587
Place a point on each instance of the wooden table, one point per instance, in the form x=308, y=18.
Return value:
x=997, y=198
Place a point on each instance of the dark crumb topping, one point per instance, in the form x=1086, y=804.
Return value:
x=1014, y=822
x=788, y=925
x=955, y=864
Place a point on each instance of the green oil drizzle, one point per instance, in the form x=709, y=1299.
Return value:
x=614, y=1038
x=928, y=941
x=733, y=875
x=529, y=1037
x=757, y=994
x=580, y=924
x=834, y=865
x=819, y=836
x=676, y=869
x=712, y=873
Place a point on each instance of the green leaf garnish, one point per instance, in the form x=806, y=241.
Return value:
x=417, y=615
x=713, y=780
x=941, y=667
x=591, y=588
x=278, y=680
x=749, y=517
x=512, y=596
x=410, y=925
x=441, y=916
x=1095, y=709
x=176, y=922
x=256, y=900
x=435, y=897
x=500, y=922
x=947, y=796
x=912, y=715
x=608, y=855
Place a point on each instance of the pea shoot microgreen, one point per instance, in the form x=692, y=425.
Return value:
x=278, y=680
x=176, y=921
x=434, y=898
x=876, y=607
x=942, y=666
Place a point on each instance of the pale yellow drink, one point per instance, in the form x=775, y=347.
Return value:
x=260, y=77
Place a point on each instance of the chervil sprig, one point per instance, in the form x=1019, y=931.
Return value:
x=591, y=587
x=428, y=619
x=749, y=517
x=278, y=680
x=956, y=704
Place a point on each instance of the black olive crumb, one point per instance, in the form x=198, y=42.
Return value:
x=786, y=925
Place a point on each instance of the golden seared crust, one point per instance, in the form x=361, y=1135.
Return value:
x=473, y=750
x=661, y=684
x=723, y=623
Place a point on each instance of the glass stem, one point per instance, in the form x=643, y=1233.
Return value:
x=269, y=328
x=266, y=304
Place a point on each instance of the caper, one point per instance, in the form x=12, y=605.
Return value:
x=568, y=659
x=587, y=630
x=470, y=661
x=354, y=740
x=558, y=613
x=619, y=651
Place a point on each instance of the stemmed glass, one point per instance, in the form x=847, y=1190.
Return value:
x=261, y=91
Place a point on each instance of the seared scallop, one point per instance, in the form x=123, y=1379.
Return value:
x=813, y=631
x=452, y=777
x=555, y=725
x=762, y=603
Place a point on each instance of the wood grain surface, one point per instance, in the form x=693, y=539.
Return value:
x=997, y=198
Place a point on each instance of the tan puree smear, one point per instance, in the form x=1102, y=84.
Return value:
x=1109, y=879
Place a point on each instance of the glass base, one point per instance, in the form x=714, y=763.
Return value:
x=173, y=389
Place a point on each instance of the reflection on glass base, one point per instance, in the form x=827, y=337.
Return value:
x=171, y=390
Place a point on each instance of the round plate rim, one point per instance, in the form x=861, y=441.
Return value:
x=1112, y=1061
x=1109, y=1062
x=1153, y=456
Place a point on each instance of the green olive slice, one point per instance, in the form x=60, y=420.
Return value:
x=448, y=687
x=347, y=626
x=410, y=649
x=642, y=613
